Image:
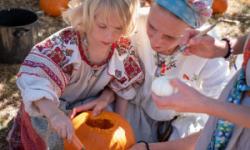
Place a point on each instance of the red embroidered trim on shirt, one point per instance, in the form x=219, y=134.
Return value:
x=67, y=35
x=47, y=70
x=84, y=57
x=28, y=73
x=123, y=45
x=61, y=71
x=57, y=56
x=132, y=68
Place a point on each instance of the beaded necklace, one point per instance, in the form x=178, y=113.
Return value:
x=224, y=129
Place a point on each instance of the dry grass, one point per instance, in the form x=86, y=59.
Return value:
x=238, y=23
x=9, y=100
x=237, y=19
x=9, y=94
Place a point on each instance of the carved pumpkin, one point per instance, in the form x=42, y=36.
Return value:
x=107, y=131
x=53, y=7
x=219, y=6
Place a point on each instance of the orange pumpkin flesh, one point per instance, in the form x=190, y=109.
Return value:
x=219, y=6
x=53, y=7
x=107, y=131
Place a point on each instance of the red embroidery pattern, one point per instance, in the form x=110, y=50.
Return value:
x=166, y=66
x=31, y=74
x=48, y=59
x=68, y=36
x=47, y=70
x=131, y=67
x=68, y=69
x=57, y=56
x=123, y=45
x=123, y=80
x=163, y=69
x=58, y=52
x=48, y=44
x=132, y=74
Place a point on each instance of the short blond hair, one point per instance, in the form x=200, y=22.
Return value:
x=81, y=16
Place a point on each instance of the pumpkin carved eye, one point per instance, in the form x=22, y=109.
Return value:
x=107, y=131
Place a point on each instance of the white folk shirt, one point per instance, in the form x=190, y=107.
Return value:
x=208, y=76
x=57, y=67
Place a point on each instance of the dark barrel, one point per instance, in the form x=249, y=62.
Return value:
x=17, y=32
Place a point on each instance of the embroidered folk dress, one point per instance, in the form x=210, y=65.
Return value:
x=58, y=68
x=240, y=137
x=207, y=76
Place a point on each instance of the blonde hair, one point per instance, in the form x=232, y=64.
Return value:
x=81, y=13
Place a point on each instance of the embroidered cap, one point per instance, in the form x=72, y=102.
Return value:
x=193, y=12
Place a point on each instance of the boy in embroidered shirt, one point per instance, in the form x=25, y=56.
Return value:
x=164, y=25
x=77, y=63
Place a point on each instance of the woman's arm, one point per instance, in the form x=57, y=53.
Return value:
x=237, y=45
x=208, y=47
x=234, y=113
x=188, y=99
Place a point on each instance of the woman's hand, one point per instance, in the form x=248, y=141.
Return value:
x=97, y=105
x=203, y=46
x=186, y=99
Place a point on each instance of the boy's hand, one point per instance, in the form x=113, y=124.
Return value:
x=97, y=106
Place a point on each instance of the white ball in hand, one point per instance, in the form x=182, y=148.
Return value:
x=161, y=86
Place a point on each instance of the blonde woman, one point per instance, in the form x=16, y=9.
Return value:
x=91, y=58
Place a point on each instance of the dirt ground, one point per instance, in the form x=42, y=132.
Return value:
x=236, y=22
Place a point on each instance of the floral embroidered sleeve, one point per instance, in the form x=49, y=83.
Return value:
x=125, y=69
x=47, y=69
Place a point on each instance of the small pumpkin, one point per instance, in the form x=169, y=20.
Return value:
x=53, y=7
x=219, y=6
x=162, y=87
x=107, y=131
